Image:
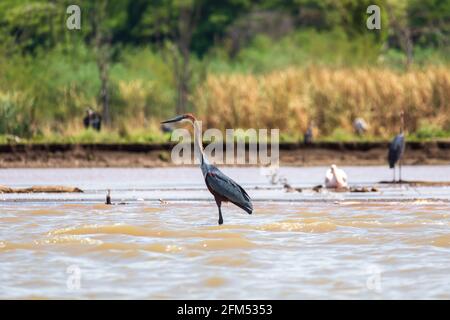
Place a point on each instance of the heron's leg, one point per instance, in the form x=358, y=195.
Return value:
x=394, y=175
x=400, y=171
x=219, y=205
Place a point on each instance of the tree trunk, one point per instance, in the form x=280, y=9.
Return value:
x=183, y=83
x=408, y=46
x=104, y=92
x=404, y=35
x=187, y=21
x=101, y=44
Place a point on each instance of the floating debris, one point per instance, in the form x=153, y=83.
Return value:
x=418, y=183
x=363, y=189
x=287, y=187
x=317, y=188
x=272, y=172
x=41, y=189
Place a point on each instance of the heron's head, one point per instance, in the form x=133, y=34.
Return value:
x=333, y=167
x=183, y=118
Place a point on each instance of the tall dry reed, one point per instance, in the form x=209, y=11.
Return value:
x=330, y=97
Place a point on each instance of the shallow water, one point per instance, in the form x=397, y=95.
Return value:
x=394, y=243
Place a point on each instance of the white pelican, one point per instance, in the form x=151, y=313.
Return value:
x=335, y=178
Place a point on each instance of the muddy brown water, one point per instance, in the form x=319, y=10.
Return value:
x=394, y=243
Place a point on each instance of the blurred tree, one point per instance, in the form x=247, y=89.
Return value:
x=105, y=18
x=102, y=47
x=28, y=25
x=188, y=15
x=430, y=22
x=400, y=27
x=182, y=28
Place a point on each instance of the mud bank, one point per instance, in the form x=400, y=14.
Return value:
x=158, y=155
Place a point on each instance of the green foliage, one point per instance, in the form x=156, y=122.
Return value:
x=49, y=75
x=299, y=48
x=429, y=131
x=14, y=114
x=431, y=21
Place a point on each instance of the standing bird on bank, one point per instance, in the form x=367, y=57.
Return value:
x=308, y=136
x=223, y=188
x=335, y=178
x=397, y=148
x=92, y=119
x=87, y=118
x=360, y=126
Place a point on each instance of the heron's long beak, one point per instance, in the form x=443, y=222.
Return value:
x=176, y=119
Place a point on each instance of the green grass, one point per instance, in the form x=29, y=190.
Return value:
x=112, y=137
x=429, y=132
x=91, y=136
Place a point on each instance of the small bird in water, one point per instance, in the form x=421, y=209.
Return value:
x=108, y=200
x=397, y=148
x=223, y=188
x=108, y=197
x=335, y=178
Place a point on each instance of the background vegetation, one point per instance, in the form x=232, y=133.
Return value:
x=235, y=63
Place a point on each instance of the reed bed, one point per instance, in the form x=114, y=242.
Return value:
x=330, y=97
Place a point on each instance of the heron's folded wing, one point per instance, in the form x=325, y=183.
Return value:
x=226, y=187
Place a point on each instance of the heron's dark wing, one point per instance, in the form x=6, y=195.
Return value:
x=396, y=148
x=225, y=187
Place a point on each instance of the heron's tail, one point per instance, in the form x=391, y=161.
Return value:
x=246, y=206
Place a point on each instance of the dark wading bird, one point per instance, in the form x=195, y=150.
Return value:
x=309, y=136
x=396, y=149
x=223, y=188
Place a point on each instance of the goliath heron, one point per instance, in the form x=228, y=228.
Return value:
x=308, y=136
x=396, y=149
x=223, y=188
x=335, y=178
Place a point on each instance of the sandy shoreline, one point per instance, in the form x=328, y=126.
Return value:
x=158, y=155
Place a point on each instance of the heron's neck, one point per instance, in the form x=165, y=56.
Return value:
x=199, y=142
x=402, y=124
